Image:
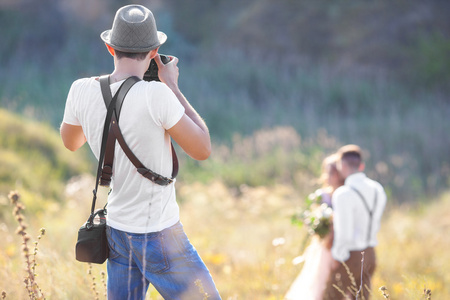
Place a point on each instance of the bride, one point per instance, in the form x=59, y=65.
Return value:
x=310, y=283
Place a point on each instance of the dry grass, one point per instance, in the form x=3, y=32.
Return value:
x=247, y=241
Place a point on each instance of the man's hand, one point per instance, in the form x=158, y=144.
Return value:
x=191, y=132
x=168, y=73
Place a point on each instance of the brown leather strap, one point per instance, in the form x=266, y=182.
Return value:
x=109, y=113
x=116, y=134
x=105, y=178
x=147, y=173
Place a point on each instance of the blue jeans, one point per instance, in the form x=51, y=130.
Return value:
x=166, y=259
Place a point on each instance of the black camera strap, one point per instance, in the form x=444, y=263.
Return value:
x=116, y=134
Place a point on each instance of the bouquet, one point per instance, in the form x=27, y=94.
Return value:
x=316, y=216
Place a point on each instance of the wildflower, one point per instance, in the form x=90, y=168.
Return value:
x=14, y=197
x=383, y=290
x=278, y=241
x=30, y=284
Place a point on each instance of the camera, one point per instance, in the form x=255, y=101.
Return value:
x=152, y=73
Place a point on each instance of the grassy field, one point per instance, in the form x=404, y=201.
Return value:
x=272, y=118
x=245, y=237
x=242, y=231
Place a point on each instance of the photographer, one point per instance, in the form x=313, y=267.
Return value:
x=146, y=239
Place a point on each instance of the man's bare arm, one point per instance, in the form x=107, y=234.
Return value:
x=191, y=132
x=72, y=136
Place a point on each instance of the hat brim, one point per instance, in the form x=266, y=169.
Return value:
x=106, y=37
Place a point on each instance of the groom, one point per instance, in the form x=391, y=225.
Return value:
x=358, y=207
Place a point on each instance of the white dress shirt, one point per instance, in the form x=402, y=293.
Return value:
x=351, y=219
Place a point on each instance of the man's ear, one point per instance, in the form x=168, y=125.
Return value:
x=362, y=166
x=110, y=49
x=153, y=53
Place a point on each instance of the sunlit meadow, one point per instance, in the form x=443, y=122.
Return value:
x=244, y=235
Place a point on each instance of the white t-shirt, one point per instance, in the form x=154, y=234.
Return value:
x=351, y=220
x=135, y=204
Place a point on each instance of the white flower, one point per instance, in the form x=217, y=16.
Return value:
x=312, y=196
x=278, y=241
x=327, y=213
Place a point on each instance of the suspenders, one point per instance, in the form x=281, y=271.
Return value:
x=370, y=212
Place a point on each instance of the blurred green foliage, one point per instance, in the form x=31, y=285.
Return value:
x=432, y=61
x=34, y=161
x=372, y=73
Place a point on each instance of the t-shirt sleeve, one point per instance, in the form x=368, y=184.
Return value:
x=70, y=116
x=168, y=107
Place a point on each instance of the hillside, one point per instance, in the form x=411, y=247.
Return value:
x=34, y=161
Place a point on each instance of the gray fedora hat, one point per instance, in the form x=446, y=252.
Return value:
x=134, y=30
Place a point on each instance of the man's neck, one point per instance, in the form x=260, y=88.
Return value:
x=352, y=175
x=126, y=67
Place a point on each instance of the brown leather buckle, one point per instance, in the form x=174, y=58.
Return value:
x=154, y=177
